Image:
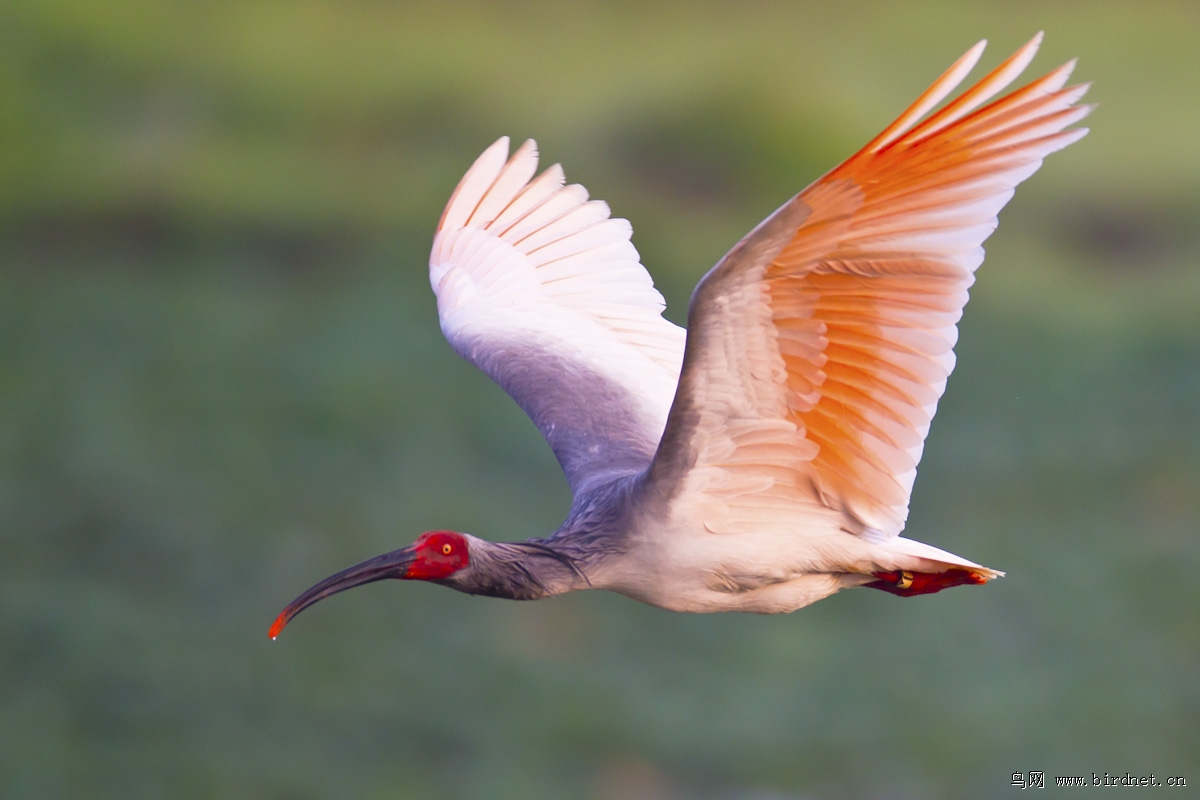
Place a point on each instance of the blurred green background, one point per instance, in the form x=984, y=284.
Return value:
x=221, y=379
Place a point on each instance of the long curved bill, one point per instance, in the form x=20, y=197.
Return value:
x=389, y=565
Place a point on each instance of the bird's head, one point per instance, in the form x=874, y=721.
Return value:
x=434, y=556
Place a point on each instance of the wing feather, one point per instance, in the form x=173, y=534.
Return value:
x=532, y=196
x=830, y=328
x=474, y=185
x=983, y=91
x=543, y=291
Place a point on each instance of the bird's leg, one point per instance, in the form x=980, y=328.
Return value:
x=910, y=584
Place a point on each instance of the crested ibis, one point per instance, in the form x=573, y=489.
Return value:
x=762, y=459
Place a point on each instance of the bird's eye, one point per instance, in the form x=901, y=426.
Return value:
x=447, y=549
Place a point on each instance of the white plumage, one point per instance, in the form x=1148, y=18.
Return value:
x=765, y=459
x=786, y=436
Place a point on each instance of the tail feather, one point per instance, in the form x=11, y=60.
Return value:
x=909, y=554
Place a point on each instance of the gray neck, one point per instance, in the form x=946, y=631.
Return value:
x=527, y=570
x=594, y=534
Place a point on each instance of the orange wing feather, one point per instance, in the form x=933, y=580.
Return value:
x=828, y=332
x=866, y=297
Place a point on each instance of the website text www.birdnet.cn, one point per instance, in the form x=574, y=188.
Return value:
x=1039, y=780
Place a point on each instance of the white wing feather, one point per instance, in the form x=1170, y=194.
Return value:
x=542, y=290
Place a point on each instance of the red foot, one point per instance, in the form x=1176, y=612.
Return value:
x=915, y=583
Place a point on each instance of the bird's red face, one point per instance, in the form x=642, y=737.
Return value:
x=437, y=555
x=433, y=556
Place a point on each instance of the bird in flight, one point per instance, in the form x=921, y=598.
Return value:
x=762, y=459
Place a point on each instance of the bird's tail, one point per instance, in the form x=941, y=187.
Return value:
x=912, y=568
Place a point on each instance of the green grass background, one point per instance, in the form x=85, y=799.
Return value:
x=221, y=379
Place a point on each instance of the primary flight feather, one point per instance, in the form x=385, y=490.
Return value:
x=764, y=458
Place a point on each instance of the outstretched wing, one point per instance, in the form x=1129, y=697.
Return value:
x=541, y=290
x=819, y=346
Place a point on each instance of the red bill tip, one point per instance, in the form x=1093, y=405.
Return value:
x=277, y=626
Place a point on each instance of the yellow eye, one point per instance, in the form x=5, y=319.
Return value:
x=447, y=549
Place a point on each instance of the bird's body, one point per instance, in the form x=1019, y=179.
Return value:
x=764, y=458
